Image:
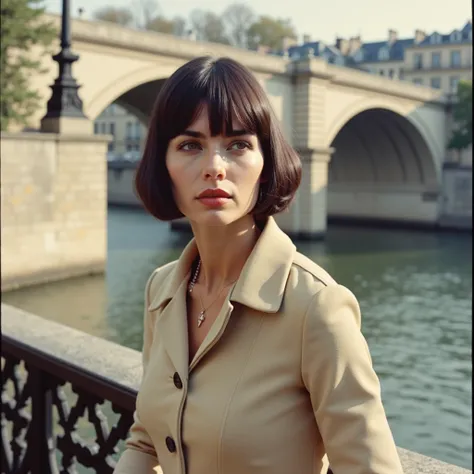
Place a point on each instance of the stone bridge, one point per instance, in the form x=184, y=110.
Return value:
x=371, y=147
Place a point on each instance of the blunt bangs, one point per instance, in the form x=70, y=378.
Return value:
x=225, y=89
x=231, y=93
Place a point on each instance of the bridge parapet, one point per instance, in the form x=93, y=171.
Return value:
x=101, y=33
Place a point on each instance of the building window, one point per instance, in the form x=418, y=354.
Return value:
x=436, y=82
x=455, y=58
x=418, y=61
x=129, y=147
x=383, y=54
x=138, y=130
x=453, y=83
x=111, y=147
x=112, y=128
x=435, y=60
x=418, y=81
x=129, y=132
x=381, y=72
x=391, y=73
x=435, y=38
x=102, y=128
x=96, y=128
x=455, y=36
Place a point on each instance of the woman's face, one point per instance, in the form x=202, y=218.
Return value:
x=197, y=162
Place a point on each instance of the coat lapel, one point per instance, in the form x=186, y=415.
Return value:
x=262, y=282
x=173, y=330
x=214, y=334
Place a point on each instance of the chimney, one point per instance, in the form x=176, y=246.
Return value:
x=392, y=36
x=419, y=36
x=342, y=45
x=354, y=44
x=288, y=42
x=306, y=38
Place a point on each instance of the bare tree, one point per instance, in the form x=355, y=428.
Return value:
x=147, y=11
x=237, y=19
x=207, y=26
x=179, y=26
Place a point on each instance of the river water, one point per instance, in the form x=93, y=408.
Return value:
x=415, y=292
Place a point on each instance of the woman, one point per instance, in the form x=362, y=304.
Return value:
x=253, y=357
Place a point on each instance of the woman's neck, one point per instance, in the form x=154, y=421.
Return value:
x=223, y=251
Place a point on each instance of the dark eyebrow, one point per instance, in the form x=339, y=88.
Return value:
x=192, y=133
x=233, y=133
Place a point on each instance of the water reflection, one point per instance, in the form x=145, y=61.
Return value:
x=415, y=292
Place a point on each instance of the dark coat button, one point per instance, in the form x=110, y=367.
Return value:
x=170, y=444
x=177, y=380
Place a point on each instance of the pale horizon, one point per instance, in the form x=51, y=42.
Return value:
x=365, y=18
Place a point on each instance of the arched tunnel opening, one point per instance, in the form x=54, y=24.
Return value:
x=381, y=170
x=126, y=119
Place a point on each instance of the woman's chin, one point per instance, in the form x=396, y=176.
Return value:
x=215, y=218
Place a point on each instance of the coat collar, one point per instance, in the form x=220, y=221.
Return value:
x=261, y=284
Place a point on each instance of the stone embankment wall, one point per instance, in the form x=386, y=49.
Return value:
x=54, y=206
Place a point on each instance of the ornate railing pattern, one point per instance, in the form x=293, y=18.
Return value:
x=45, y=398
x=30, y=410
x=57, y=380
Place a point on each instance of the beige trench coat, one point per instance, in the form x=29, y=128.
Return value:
x=282, y=384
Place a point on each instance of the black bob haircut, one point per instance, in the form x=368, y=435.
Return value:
x=229, y=90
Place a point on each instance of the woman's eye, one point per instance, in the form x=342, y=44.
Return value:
x=239, y=146
x=190, y=146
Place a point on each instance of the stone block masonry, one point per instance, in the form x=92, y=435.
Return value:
x=54, y=207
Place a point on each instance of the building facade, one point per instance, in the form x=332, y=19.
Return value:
x=128, y=132
x=441, y=61
x=434, y=60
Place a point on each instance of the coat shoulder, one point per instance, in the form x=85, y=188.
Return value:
x=305, y=280
x=303, y=264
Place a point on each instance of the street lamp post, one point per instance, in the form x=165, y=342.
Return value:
x=65, y=100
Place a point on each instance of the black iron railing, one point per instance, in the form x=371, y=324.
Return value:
x=48, y=402
x=68, y=400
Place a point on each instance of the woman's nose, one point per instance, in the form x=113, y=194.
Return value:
x=214, y=167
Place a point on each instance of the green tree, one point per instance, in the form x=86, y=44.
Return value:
x=238, y=18
x=175, y=26
x=21, y=28
x=121, y=16
x=462, y=116
x=270, y=32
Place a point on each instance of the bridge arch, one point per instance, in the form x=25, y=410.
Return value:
x=383, y=167
x=408, y=121
x=122, y=86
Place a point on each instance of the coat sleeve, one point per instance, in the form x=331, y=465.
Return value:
x=140, y=456
x=344, y=389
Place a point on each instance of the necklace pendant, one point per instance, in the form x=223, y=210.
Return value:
x=201, y=319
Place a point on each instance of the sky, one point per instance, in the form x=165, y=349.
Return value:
x=322, y=20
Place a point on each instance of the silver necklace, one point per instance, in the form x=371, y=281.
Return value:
x=202, y=314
